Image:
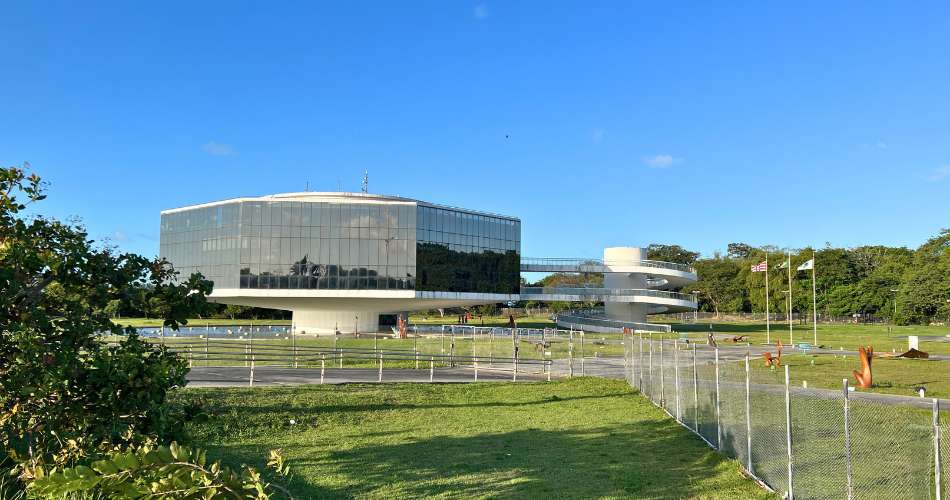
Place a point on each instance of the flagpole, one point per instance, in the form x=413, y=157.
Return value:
x=768, y=329
x=814, y=299
x=791, y=334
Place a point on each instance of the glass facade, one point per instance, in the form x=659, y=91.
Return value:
x=344, y=246
x=458, y=251
x=204, y=240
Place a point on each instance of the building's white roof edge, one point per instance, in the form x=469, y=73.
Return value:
x=344, y=197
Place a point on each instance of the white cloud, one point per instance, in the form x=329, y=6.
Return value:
x=660, y=160
x=940, y=173
x=480, y=11
x=597, y=135
x=218, y=149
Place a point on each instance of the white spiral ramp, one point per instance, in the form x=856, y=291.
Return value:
x=634, y=287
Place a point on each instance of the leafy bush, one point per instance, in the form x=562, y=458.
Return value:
x=64, y=394
x=172, y=472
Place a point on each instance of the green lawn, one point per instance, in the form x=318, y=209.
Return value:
x=835, y=336
x=892, y=376
x=578, y=438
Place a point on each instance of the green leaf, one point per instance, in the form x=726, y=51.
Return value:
x=105, y=467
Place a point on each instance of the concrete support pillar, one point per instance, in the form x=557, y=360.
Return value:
x=616, y=257
x=326, y=322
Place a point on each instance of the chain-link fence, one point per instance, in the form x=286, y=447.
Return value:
x=801, y=442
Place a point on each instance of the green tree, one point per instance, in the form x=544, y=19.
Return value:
x=671, y=253
x=925, y=291
x=64, y=394
x=719, y=287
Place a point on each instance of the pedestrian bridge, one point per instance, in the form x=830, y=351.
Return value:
x=632, y=288
x=661, y=274
x=663, y=300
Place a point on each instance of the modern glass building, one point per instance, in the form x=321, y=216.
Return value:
x=339, y=260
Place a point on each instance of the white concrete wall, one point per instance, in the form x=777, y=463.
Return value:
x=617, y=257
x=327, y=322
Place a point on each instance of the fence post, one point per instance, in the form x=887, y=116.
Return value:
x=662, y=377
x=632, y=365
x=380, y=367
x=788, y=433
x=718, y=414
x=676, y=379
x=570, y=353
x=340, y=352
x=514, y=373
x=431, y=368
x=847, y=437
x=748, y=415
x=549, y=362
x=695, y=393
x=936, y=422
x=651, y=367
x=293, y=338
x=207, y=342
x=626, y=362
x=323, y=366
x=250, y=378
x=476, y=369
x=417, y=360
x=640, y=365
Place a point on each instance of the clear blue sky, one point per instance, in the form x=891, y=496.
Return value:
x=627, y=123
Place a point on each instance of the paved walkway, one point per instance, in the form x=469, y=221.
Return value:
x=608, y=367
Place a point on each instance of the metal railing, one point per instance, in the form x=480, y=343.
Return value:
x=251, y=353
x=801, y=442
x=599, y=265
x=606, y=292
x=596, y=318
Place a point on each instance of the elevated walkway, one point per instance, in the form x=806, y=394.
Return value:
x=662, y=274
x=633, y=287
x=664, y=300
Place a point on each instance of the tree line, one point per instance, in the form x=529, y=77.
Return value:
x=899, y=284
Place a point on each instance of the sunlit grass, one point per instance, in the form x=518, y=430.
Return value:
x=579, y=438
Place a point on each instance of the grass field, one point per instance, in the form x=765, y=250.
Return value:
x=847, y=336
x=579, y=438
x=891, y=376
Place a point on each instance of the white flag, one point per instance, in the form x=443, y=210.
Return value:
x=809, y=264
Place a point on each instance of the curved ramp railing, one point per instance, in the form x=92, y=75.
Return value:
x=608, y=293
x=588, y=265
x=595, y=318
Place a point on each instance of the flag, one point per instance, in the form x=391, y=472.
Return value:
x=760, y=267
x=783, y=265
x=809, y=264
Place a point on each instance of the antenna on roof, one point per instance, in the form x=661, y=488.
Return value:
x=307, y=189
x=365, y=182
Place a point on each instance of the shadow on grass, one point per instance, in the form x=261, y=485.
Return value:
x=653, y=459
x=720, y=327
x=369, y=407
